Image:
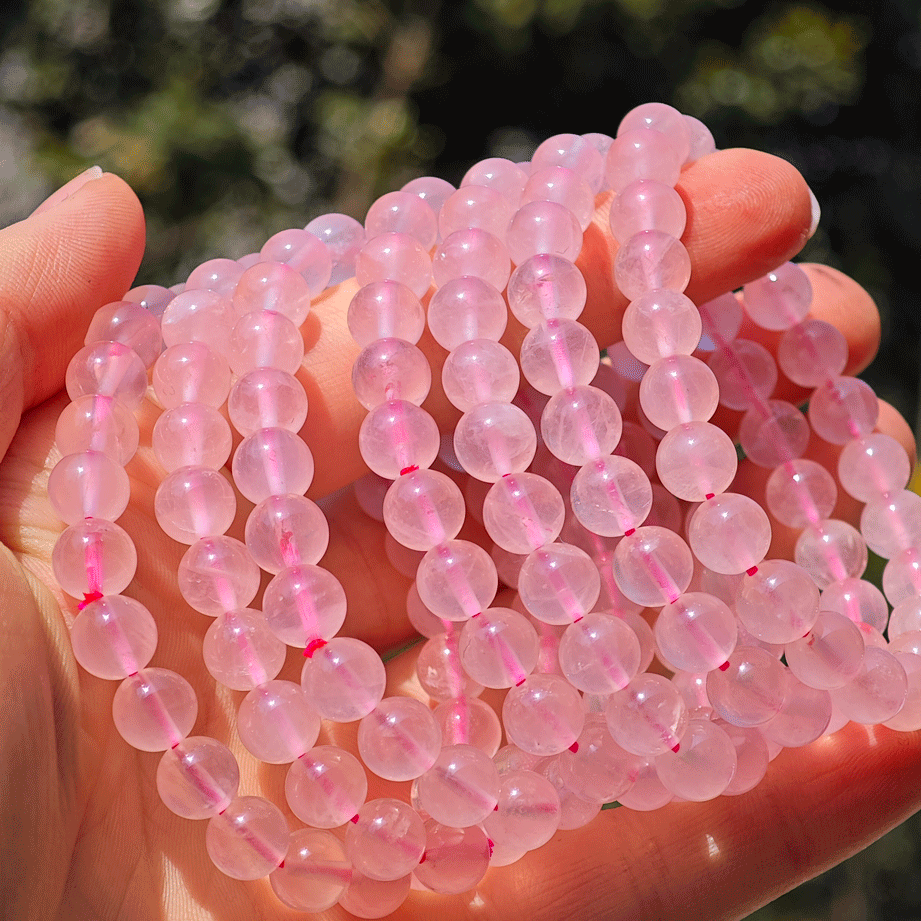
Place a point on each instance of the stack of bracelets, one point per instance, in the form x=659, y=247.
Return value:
x=602, y=487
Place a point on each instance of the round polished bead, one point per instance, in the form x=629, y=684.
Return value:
x=475, y=252
x=219, y=275
x=191, y=372
x=198, y=778
x=263, y=339
x=475, y=206
x=774, y=433
x=829, y=655
x=722, y=319
x=470, y=721
x=109, y=369
x=575, y=812
x=457, y=580
x=642, y=153
x=861, y=601
x=154, y=709
x=199, y=316
x=905, y=617
x=499, y=174
x=677, y=390
x=423, y=508
x=97, y=423
x=779, y=603
x=466, y=308
x=811, y=352
x=878, y=690
x=729, y=533
x=400, y=739
x=480, y=371
x=391, y=369
x=88, y=485
x=543, y=227
x=843, y=408
x=648, y=716
x=747, y=374
x=456, y=859
x=286, y=530
x=152, y=298
x=131, y=325
x=660, y=117
x=241, y=652
x=559, y=354
x=700, y=137
x=217, y=574
x=902, y=576
x=272, y=461
x=275, y=286
x=804, y=716
x=113, y=637
x=249, y=839
x=326, y=786
x=650, y=260
x=580, y=424
x=304, y=603
x=267, y=398
x=385, y=310
x=343, y=237
x=564, y=186
x=194, y=502
x=493, y=440
x=315, y=872
x=461, y=788
x=370, y=898
x=192, y=435
x=544, y=715
x=661, y=323
x=600, y=654
x=94, y=557
x=396, y=436
x=573, y=152
x=872, y=466
x=523, y=511
x=301, y=251
x=647, y=792
x=752, y=758
x=402, y=212
x=800, y=492
x=695, y=633
x=528, y=810
x=597, y=769
x=696, y=460
x=387, y=840
x=546, y=287
x=703, y=766
x=830, y=551
x=558, y=583
x=344, y=679
x=751, y=690
x=439, y=670
x=779, y=300
x=395, y=257
x=499, y=648
x=647, y=205
x=611, y=495
x=653, y=566
x=892, y=523
x=908, y=651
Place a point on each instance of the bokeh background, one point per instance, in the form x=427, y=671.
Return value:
x=233, y=119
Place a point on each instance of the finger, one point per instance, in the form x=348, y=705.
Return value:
x=747, y=213
x=58, y=266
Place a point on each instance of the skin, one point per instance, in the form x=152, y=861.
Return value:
x=85, y=836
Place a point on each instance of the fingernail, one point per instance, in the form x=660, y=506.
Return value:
x=816, y=213
x=68, y=189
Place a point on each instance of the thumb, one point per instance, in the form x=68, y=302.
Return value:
x=72, y=255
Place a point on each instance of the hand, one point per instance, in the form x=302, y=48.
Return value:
x=85, y=835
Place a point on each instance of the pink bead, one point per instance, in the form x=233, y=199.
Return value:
x=779, y=300
x=131, y=325
x=475, y=252
x=368, y=898
x=263, y=339
x=498, y=174
x=153, y=298
x=653, y=566
x=829, y=655
x=399, y=739
x=304, y=254
x=241, y=652
x=575, y=153
x=559, y=583
x=703, y=766
x=696, y=633
x=778, y=603
x=877, y=692
x=544, y=715
x=660, y=117
x=249, y=839
x=601, y=142
x=908, y=719
x=343, y=237
x=326, y=786
x=114, y=637
x=247, y=261
x=439, y=671
x=272, y=462
x=109, y=369
x=872, y=466
x=267, y=398
x=830, y=551
x=564, y=186
x=650, y=260
x=315, y=873
x=892, y=523
x=218, y=275
x=522, y=512
x=466, y=308
x=385, y=310
x=597, y=769
x=286, y=531
x=611, y=495
x=558, y=354
x=395, y=257
x=729, y=533
x=661, y=323
x=402, y=212
x=217, y=574
x=746, y=372
x=774, y=433
x=424, y=508
x=191, y=435
x=722, y=319
x=398, y=435
x=194, y=502
x=457, y=580
x=304, y=603
x=528, y=810
x=751, y=690
x=88, y=485
x=581, y=424
x=696, y=460
x=154, y=709
x=842, y=409
x=701, y=140
x=96, y=423
x=905, y=617
x=276, y=722
x=387, y=841
x=861, y=601
x=647, y=792
x=600, y=654
x=642, y=153
x=344, y=679
x=800, y=492
x=200, y=316
x=275, y=287
x=677, y=390
x=493, y=440
x=499, y=648
x=811, y=352
x=543, y=227
x=468, y=720
x=191, y=372
x=94, y=556
x=751, y=758
x=432, y=190
x=902, y=576
x=391, y=369
x=455, y=859
x=461, y=788
x=647, y=205
x=648, y=716
x=475, y=206
x=198, y=778
x=480, y=371
x=546, y=287
x=804, y=716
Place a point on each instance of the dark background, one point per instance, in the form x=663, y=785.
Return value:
x=234, y=119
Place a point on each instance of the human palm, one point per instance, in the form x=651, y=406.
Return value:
x=84, y=833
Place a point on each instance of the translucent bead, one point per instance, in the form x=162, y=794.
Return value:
x=861, y=601
x=113, y=637
x=395, y=257
x=218, y=275
x=499, y=174
x=522, y=512
x=385, y=310
x=466, y=308
x=559, y=354
x=908, y=719
x=276, y=287
x=564, y=186
x=580, y=424
x=369, y=898
x=660, y=117
x=154, y=709
x=647, y=792
x=191, y=372
x=194, y=502
x=396, y=436
x=653, y=566
x=439, y=671
x=779, y=300
x=642, y=153
x=650, y=260
x=468, y=720
x=474, y=206
x=199, y=316
x=722, y=319
x=386, y=841
x=778, y=603
x=752, y=758
x=131, y=325
x=811, y=352
x=480, y=371
x=286, y=531
x=88, y=485
x=696, y=460
x=402, y=212
x=455, y=859
x=493, y=440
x=399, y=739
x=249, y=839
x=499, y=648
x=902, y=576
x=611, y=495
x=877, y=692
x=267, y=398
x=94, y=556
x=344, y=679
x=843, y=408
x=829, y=655
x=751, y=690
x=153, y=298
x=546, y=287
x=198, y=778
x=271, y=462
x=647, y=205
x=600, y=654
x=315, y=871
x=304, y=603
x=96, y=423
x=677, y=390
x=870, y=467
x=648, y=716
x=109, y=369
x=601, y=142
x=474, y=252
x=461, y=788
x=892, y=523
x=326, y=786
x=241, y=652
x=457, y=580
x=703, y=766
x=424, y=508
x=830, y=551
x=544, y=715
x=661, y=323
x=573, y=152
x=559, y=583
x=729, y=533
x=696, y=633
x=800, y=492
x=343, y=237
x=747, y=374
x=191, y=435
x=701, y=139
x=774, y=433
x=217, y=574
x=391, y=369
x=597, y=769
x=804, y=716
x=905, y=617
x=262, y=339
x=543, y=227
